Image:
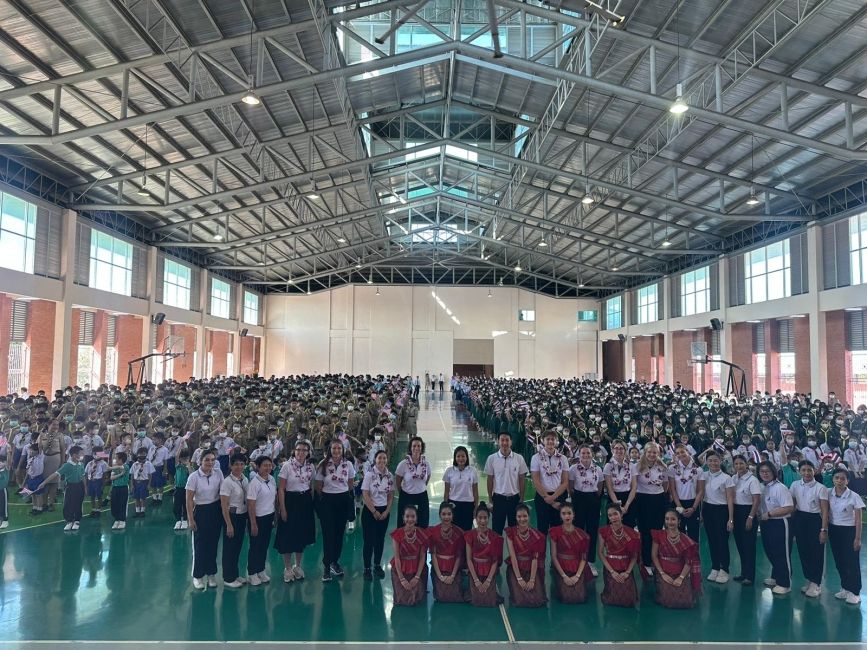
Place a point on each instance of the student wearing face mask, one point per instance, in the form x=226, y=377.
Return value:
x=223, y=446
x=810, y=526
x=856, y=460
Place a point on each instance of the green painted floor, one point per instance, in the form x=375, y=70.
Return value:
x=102, y=585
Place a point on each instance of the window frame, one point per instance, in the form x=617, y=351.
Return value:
x=760, y=280
x=218, y=299
x=110, y=267
x=173, y=291
x=18, y=249
x=611, y=312
x=594, y=312
x=248, y=310
x=695, y=291
x=858, y=249
x=527, y=315
x=647, y=299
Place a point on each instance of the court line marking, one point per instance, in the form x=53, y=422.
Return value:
x=509, y=633
x=576, y=644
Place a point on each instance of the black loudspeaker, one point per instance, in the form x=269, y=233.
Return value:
x=716, y=324
x=158, y=318
x=244, y=331
x=622, y=338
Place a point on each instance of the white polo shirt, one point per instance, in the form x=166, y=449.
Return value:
x=776, y=495
x=843, y=507
x=585, y=479
x=236, y=490
x=746, y=487
x=378, y=486
x=505, y=470
x=297, y=477
x=550, y=468
x=807, y=495
x=264, y=492
x=652, y=480
x=206, y=487
x=414, y=477
x=335, y=478
x=461, y=482
x=620, y=473
x=685, y=478
x=715, y=486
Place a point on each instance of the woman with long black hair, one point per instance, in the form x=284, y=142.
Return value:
x=206, y=520
x=377, y=492
x=411, y=479
x=261, y=503
x=461, y=488
x=335, y=479
x=647, y=497
x=748, y=504
x=295, y=498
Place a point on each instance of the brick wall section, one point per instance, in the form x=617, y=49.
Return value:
x=5, y=328
x=40, y=340
x=129, y=335
x=218, y=348
x=835, y=333
x=250, y=346
x=641, y=347
x=183, y=366
x=660, y=359
x=680, y=352
x=74, y=323
x=612, y=360
x=801, y=330
x=742, y=351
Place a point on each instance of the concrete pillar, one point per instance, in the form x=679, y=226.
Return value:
x=60, y=371
x=803, y=345
x=5, y=325
x=666, y=369
x=836, y=357
x=131, y=335
x=678, y=353
x=235, y=344
x=72, y=350
x=818, y=340
x=100, y=340
x=742, y=350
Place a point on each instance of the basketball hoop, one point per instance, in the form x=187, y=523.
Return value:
x=173, y=345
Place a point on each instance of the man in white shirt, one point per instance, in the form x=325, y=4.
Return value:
x=550, y=472
x=506, y=473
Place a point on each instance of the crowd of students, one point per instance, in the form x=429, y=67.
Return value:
x=254, y=458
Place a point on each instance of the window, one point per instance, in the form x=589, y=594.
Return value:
x=760, y=372
x=87, y=371
x=221, y=294
x=110, y=264
x=858, y=381
x=695, y=292
x=17, y=233
x=767, y=273
x=111, y=366
x=787, y=372
x=648, y=304
x=527, y=314
x=176, y=284
x=587, y=316
x=19, y=366
x=858, y=247
x=614, y=313
x=251, y=308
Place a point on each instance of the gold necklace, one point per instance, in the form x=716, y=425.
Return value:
x=674, y=540
x=618, y=534
x=411, y=537
x=524, y=536
x=483, y=537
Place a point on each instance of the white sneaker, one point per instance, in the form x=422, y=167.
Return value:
x=722, y=577
x=242, y=580
x=780, y=591
x=185, y=524
x=813, y=590
x=299, y=572
x=350, y=526
x=769, y=582
x=122, y=525
x=594, y=571
x=713, y=575
x=212, y=581
x=264, y=577
x=806, y=586
x=288, y=575
x=75, y=525
x=115, y=525
x=68, y=526
x=254, y=580
x=199, y=583
x=177, y=525
x=4, y=523
x=842, y=594
x=235, y=584
x=853, y=599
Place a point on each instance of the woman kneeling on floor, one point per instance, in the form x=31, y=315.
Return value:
x=525, y=572
x=618, y=551
x=409, y=564
x=677, y=564
x=569, y=547
x=484, y=553
x=446, y=543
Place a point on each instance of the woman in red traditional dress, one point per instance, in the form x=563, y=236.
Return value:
x=678, y=567
x=525, y=571
x=619, y=549
x=409, y=564
x=484, y=553
x=569, y=547
x=446, y=542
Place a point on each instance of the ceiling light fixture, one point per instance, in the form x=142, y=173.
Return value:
x=679, y=107
x=542, y=244
x=313, y=195
x=615, y=268
x=142, y=191
x=490, y=295
x=218, y=237
x=251, y=99
x=518, y=268
x=665, y=243
x=588, y=199
x=753, y=200
x=377, y=291
x=342, y=240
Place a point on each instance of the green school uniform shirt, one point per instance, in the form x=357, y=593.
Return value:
x=72, y=472
x=4, y=478
x=121, y=480
x=182, y=473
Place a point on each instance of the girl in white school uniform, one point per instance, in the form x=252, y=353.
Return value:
x=233, y=504
x=461, y=488
x=261, y=503
x=844, y=535
x=335, y=480
x=296, y=526
x=777, y=507
x=810, y=526
x=718, y=513
x=203, y=508
x=377, y=490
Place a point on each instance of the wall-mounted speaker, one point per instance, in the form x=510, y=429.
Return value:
x=158, y=318
x=622, y=338
x=716, y=324
x=244, y=331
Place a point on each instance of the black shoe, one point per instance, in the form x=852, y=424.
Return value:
x=35, y=512
x=368, y=574
x=326, y=575
x=746, y=583
x=379, y=572
x=738, y=578
x=336, y=570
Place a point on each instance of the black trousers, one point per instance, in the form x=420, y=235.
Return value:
x=373, y=532
x=257, y=554
x=420, y=501
x=463, y=517
x=232, y=546
x=333, y=515
x=206, y=539
x=504, y=510
x=586, y=506
x=73, y=499
x=691, y=525
x=4, y=505
x=745, y=540
x=846, y=557
x=119, y=498
x=651, y=516
x=630, y=518
x=715, y=521
x=777, y=542
x=806, y=527
x=179, y=504
x=547, y=515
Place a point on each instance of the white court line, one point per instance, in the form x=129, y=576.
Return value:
x=572, y=644
x=509, y=633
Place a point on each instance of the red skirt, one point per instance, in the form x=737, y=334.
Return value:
x=569, y=594
x=619, y=594
x=490, y=598
x=448, y=593
x=411, y=596
x=674, y=597
x=518, y=597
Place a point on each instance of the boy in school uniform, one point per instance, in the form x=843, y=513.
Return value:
x=119, y=476
x=179, y=497
x=73, y=497
x=94, y=476
x=4, y=495
x=33, y=481
x=140, y=473
x=159, y=456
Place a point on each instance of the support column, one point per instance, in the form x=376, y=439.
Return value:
x=667, y=339
x=818, y=339
x=742, y=350
x=5, y=325
x=835, y=344
x=804, y=344
x=60, y=371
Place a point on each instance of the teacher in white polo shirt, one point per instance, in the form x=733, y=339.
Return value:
x=506, y=473
x=550, y=472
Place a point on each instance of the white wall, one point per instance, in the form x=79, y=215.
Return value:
x=404, y=330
